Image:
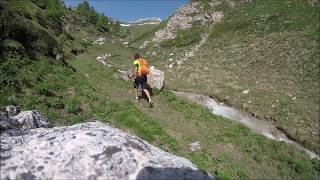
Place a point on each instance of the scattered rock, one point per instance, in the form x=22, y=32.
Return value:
x=31, y=120
x=195, y=146
x=170, y=66
x=156, y=78
x=59, y=57
x=154, y=53
x=24, y=120
x=171, y=54
x=179, y=62
x=90, y=150
x=125, y=75
x=100, y=41
x=12, y=110
x=144, y=45
x=245, y=91
x=104, y=59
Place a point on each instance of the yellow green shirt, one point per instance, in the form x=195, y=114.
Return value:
x=136, y=63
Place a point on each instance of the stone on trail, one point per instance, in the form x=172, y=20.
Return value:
x=245, y=91
x=195, y=146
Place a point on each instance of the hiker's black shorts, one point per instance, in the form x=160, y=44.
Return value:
x=140, y=80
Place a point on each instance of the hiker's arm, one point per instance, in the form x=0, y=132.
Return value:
x=135, y=71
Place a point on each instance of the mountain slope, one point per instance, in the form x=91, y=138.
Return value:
x=267, y=48
x=81, y=88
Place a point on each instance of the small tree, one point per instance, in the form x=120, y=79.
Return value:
x=54, y=8
x=117, y=27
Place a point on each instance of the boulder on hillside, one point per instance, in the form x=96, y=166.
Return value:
x=101, y=41
x=104, y=59
x=24, y=120
x=125, y=75
x=89, y=151
x=156, y=78
x=31, y=120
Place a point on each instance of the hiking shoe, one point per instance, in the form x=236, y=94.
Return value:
x=150, y=103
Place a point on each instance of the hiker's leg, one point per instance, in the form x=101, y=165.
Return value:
x=147, y=93
x=136, y=92
x=136, y=86
x=144, y=87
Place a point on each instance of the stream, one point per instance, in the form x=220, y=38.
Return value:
x=266, y=128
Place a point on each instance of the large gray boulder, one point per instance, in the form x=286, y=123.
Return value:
x=156, y=78
x=31, y=120
x=9, y=119
x=89, y=151
x=125, y=75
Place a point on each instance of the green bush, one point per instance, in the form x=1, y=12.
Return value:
x=72, y=105
x=44, y=88
x=9, y=44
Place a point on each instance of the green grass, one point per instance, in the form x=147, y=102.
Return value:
x=216, y=134
x=227, y=146
x=268, y=47
x=185, y=37
x=138, y=30
x=147, y=34
x=229, y=150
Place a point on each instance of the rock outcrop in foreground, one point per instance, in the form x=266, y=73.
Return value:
x=91, y=150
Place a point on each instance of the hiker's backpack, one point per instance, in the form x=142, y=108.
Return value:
x=144, y=67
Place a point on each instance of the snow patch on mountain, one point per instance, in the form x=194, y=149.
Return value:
x=152, y=20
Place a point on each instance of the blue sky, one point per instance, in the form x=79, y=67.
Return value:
x=127, y=10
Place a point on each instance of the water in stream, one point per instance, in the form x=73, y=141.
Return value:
x=259, y=126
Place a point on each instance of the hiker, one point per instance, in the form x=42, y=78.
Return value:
x=140, y=71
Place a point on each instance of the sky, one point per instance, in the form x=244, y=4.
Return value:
x=128, y=10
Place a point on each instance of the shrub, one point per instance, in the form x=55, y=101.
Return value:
x=72, y=105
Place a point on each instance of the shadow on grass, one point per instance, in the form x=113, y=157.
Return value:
x=183, y=173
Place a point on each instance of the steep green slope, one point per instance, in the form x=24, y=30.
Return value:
x=271, y=49
x=136, y=31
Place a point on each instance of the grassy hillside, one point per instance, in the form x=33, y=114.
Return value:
x=81, y=89
x=270, y=48
x=226, y=145
x=136, y=31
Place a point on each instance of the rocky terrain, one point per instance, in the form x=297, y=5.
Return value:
x=184, y=17
x=90, y=150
